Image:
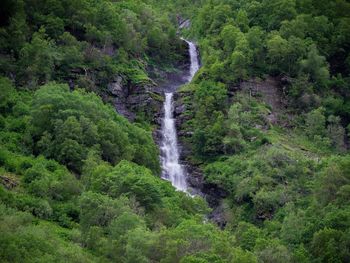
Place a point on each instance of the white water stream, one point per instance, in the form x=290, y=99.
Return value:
x=172, y=170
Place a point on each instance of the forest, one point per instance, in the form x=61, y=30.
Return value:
x=265, y=121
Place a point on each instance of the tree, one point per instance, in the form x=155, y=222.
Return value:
x=332, y=179
x=192, y=238
x=256, y=39
x=239, y=65
x=208, y=140
x=229, y=34
x=292, y=230
x=336, y=133
x=13, y=38
x=23, y=239
x=114, y=142
x=316, y=66
x=133, y=181
x=8, y=96
x=67, y=125
x=242, y=20
x=276, y=11
x=243, y=256
x=246, y=235
x=72, y=57
x=275, y=253
x=99, y=210
x=329, y=245
x=284, y=54
x=139, y=246
x=37, y=59
x=266, y=203
x=234, y=141
x=71, y=153
x=124, y=223
x=278, y=49
x=315, y=123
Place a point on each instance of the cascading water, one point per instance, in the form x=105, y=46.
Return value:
x=194, y=59
x=172, y=170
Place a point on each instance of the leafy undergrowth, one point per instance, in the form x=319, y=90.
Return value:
x=286, y=185
x=79, y=183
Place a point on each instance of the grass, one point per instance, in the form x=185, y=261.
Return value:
x=296, y=141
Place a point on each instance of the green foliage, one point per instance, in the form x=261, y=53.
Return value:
x=25, y=239
x=55, y=40
x=37, y=59
x=328, y=245
x=133, y=181
x=67, y=125
x=315, y=123
x=336, y=133
x=8, y=96
x=209, y=97
x=79, y=183
x=315, y=65
x=334, y=178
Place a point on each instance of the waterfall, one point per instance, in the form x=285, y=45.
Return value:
x=194, y=60
x=172, y=170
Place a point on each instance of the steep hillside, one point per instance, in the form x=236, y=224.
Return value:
x=263, y=130
x=264, y=125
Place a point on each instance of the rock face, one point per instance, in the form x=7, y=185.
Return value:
x=145, y=99
x=116, y=87
x=183, y=22
x=269, y=90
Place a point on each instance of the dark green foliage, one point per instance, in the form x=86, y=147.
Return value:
x=208, y=133
x=25, y=239
x=67, y=125
x=274, y=158
x=132, y=181
x=330, y=245
x=110, y=207
x=63, y=40
x=79, y=183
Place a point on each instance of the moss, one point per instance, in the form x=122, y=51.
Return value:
x=156, y=96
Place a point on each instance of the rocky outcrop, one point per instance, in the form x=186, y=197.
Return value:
x=270, y=91
x=211, y=192
x=183, y=23
x=145, y=100
x=8, y=181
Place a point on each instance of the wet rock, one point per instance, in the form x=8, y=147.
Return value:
x=194, y=176
x=179, y=109
x=130, y=100
x=217, y=215
x=157, y=136
x=71, y=84
x=145, y=101
x=184, y=23
x=116, y=87
x=213, y=194
x=121, y=108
